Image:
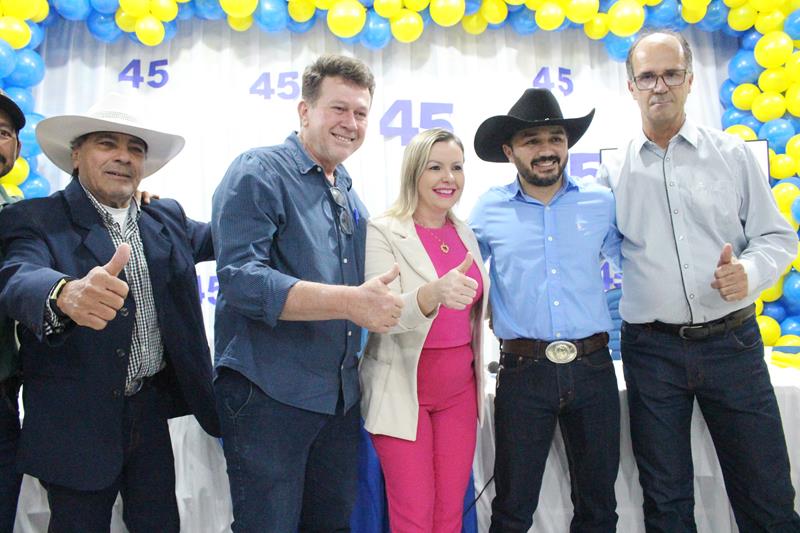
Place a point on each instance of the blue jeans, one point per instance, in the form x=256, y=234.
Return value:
x=582, y=397
x=729, y=378
x=10, y=479
x=289, y=469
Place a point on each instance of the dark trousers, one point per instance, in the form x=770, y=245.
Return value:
x=289, y=469
x=9, y=436
x=147, y=480
x=582, y=396
x=729, y=378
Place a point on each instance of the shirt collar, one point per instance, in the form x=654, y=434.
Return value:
x=133, y=208
x=516, y=192
x=306, y=164
x=688, y=132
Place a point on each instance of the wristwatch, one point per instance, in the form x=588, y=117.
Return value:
x=53, y=298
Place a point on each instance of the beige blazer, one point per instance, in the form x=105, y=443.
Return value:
x=388, y=369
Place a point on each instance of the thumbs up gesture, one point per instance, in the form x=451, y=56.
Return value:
x=373, y=306
x=730, y=277
x=455, y=289
x=93, y=300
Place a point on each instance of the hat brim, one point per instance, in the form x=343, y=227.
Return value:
x=496, y=131
x=14, y=112
x=55, y=136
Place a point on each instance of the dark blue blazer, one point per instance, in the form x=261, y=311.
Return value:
x=74, y=381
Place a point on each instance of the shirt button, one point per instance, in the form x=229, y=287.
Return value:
x=667, y=159
x=549, y=237
x=123, y=311
x=680, y=238
x=344, y=260
x=556, y=303
x=671, y=183
x=349, y=333
x=553, y=271
x=318, y=169
x=675, y=211
x=120, y=352
x=685, y=266
x=691, y=296
x=116, y=393
x=558, y=335
x=341, y=367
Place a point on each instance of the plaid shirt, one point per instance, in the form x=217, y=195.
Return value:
x=147, y=348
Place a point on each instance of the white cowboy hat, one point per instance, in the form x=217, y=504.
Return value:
x=113, y=113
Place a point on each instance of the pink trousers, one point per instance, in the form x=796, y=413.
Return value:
x=426, y=479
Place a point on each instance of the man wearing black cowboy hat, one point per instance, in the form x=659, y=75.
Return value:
x=543, y=234
x=11, y=121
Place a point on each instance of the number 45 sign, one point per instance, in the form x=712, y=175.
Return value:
x=399, y=119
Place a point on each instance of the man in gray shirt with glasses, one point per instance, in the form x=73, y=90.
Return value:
x=702, y=238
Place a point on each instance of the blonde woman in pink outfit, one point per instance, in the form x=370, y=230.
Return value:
x=422, y=383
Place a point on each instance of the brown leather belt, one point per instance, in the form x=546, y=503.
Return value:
x=705, y=330
x=556, y=351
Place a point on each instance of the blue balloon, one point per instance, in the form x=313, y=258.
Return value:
x=743, y=67
x=209, y=9
x=777, y=132
x=377, y=32
x=749, y=39
x=501, y=24
x=106, y=7
x=523, y=22
x=72, y=9
x=37, y=35
x=716, y=17
x=794, y=180
x=271, y=15
x=662, y=15
x=790, y=325
x=29, y=70
x=426, y=17
x=751, y=122
x=617, y=47
x=302, y=27
x=515, y=8
x=678, y=24
x=794, y=120
x=732, y=116
x=605, y=5
x=367, y=3
x=727, y=30
x=103, y=27
x=35, y=186
x=27, y=136
x=8, y=59
x=472, y=7
x=726, y=93
x=185, y=11
x=23, y=98
x=170, y=29
x=791, y=24
x=774, y=310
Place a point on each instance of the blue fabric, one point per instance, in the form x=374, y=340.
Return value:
x=728, y=377
x=544, y=259
x=274, y=223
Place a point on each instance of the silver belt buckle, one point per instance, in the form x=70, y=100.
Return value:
x=561, y=352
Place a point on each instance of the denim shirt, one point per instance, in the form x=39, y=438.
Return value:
x=274, y=222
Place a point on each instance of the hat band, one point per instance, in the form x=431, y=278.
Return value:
x=116, y=116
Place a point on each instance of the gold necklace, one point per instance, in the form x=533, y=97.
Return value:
x=442, y=245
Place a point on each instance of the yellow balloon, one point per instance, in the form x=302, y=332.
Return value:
x=13, y=190
x=22, y=9
x=447, y=13
x=301, y=10
x=326, y=4
x=582, y=11
x=18, y=173
x=238, y=8
x=693, y=15
x=494, y=11
x=743, y=96
x=137, y=8
x=769, y=328
x=765, y=5
x=597, y=28
x=388, y=9
x=694, y=4
x=165, y=10
x=474, y=24
x=793, y=67
x=346, y=18
x=784, y=194
x=796, y=260
x=787, y=216
x=549, y=16
x=773, y=49
x=407, y=26
x=788, y=340
x=625, y=17
x=782, y=166
x=126, y=22
x=416, y=5
x=742, y=131
x=15, y=32
x=742, y=18
x=732, y=4
x=768, y=106
x=759, y=306
x=42, y=10
x=149, y=30
x=772, y=21
x=792, y=98
x=533, y=5
x=793, y=147
x=774, y=80
x=652, y=2
x=515, y=2
x=240, y=23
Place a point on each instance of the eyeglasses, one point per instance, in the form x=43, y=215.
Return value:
x=649, y=80
x=345, y=218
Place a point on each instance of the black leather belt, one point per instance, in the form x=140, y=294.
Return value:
x=556, y=351
x=694, y=332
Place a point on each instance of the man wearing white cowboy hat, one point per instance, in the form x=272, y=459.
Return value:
x=543, y=235
x=11, y=121
x=111, y=333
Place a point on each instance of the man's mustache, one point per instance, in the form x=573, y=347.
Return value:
x=545, y=159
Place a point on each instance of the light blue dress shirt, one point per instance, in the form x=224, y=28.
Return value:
x=544, y=260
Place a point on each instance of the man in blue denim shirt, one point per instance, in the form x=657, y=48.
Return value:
x=543, y=235
x=289, y=233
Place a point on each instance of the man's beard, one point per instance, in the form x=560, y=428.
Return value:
x=527, y=172
x=5, y=166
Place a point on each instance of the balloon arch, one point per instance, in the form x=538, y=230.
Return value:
x=761, y=98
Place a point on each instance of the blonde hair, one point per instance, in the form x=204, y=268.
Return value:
x=415, y=157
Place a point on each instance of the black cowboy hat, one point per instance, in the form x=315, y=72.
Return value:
x=536, y=107
x=14, y=112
